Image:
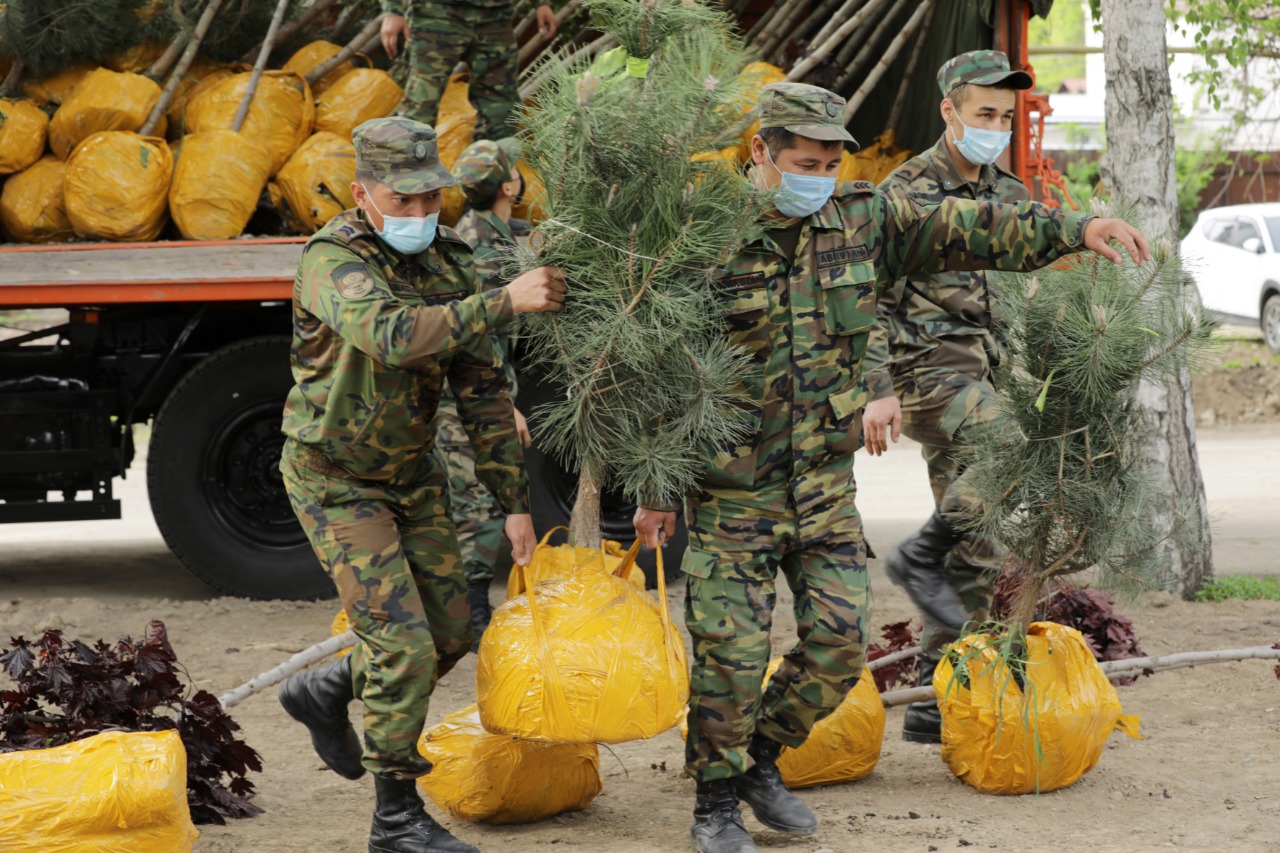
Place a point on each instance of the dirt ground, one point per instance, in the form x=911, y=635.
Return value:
x=1241, y=382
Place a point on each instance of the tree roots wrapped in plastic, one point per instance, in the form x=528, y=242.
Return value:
x=589, y=658
x=360, y=95
x=553, y=563
x=1003, y=738
x=118, y=186
x=56, y=88
x=219, y=176
x=33, y=206
x=23, y=130
x=315, y=185
x=116, y=792
x=310, y=55
x=103, y=100
x=280, y=118
x=498, y=779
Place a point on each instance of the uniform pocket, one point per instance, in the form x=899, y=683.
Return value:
x=849, y=298
x=733, y=466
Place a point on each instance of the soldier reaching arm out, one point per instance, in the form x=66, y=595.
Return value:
x=387, y=310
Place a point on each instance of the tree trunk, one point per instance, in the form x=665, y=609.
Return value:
x=584, y=524
x=1138, y=167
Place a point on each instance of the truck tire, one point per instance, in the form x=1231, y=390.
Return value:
x=553, y=489
x=214, y=479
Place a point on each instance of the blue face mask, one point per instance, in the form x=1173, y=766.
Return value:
x=980, y=146
x=408, y=235
x=801, y=195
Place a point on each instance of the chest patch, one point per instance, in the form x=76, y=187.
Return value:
x=841, y=256
x=353, y=280
x=742, y=282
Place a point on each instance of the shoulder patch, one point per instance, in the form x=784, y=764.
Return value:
x=848, y=188
x=910, y=170
x=352, y=280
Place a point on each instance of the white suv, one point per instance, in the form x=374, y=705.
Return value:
x=1234, y=253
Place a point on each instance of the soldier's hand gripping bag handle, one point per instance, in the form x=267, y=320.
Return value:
x=589, y=658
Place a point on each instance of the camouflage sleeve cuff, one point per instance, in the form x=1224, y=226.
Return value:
x=516, y=501
x=1073, y=224
x=879, y=385
x=396, y=7
x=655, y=505
x=497, y=307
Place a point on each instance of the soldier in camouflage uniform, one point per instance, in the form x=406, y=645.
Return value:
x=486, y=174
x=442, y=33
x=935, y=352
x=801, y=300
x=386, y=310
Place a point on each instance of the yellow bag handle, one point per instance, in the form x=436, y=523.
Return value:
x=551, y=687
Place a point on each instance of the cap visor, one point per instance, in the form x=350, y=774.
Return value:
x=821, y=132
x=422, y=181
x=1015, y=79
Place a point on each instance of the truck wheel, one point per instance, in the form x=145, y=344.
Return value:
x=553, y=489
x=1271, y=322
x=214, y=478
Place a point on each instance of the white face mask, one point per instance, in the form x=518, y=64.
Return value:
x=408, y=235
x=980, y=146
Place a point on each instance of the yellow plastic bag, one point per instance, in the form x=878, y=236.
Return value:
x=1001, y=743
x=360, y=95
x=118, y=186
x=138, y=58
x=216, y=184
x=551, y=562
x=32, y=204
x=590, y=658
x=311, y=55
x=455, y=128
x=498, y=779
x=56, y=88
x=875, y=162
x=203, y=74
x=23, y=130
x=315, y=185
x=116, y=792
x=530, y=208
x=280, y=118
x=755, y=76
x=104, y=100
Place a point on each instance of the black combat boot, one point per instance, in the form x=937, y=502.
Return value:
x=318, y=699
x=402, y=825
x=717, y=823
x=918, y=566
x=923, y=722
x=481, y=610
x=770, y=801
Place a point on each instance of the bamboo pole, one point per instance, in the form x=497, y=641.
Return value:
x=171, y=53
x=837, y=37
x=345, y=18
x=537, y=77
x=525, y=23
x=361, y=42
x=821, y=14
x=298, y=22
x=848, y=8
x=762, y=22
x=188, y=56
x=908, y=75
x=298, y=662
x=769, y=34
x=242, y=112
x=852, y=63
x=539, y=41
x=11, y=79
x=776, y=47
x=1117, y=669
x=890, y=54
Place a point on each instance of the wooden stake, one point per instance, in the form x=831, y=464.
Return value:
x=360, y=43
x=298, y=22
x=762, y=22
x=776, y=46
x=902, y=654
x=11, y=79
x=535, y=45
x=895, y=47
x=822, y=14
x=830, y=25
x=851, y=62
x=836, y=39
x=297, y=663
x=908, y=75
x=188, y=56
x=171, y=53
x=768, y=35
x=242, y=112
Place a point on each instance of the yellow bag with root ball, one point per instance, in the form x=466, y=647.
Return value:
x=588, y=658
x=279, y=119
x=455, y=130
x=33, y=206
x=118, y=186
x=1002, y=739
x=875, y=162
x=310, y=55
x=360, y=95
x=216, y=184
x=110, y=793
x=498, y=779
x=315, y=185
x=103, y=100
x=553, y=563
x=23, y=130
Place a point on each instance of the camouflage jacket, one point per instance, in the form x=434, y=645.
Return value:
x=376, y=335
x=806, y=325
x=406, y=7
x=933, y=326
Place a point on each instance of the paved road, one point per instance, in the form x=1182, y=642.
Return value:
x=126, y=558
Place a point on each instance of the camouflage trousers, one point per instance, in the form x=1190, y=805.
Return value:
x=734, y=556
x=476, y=515
x=444, y=34
x=942, y=420
x=393, y=557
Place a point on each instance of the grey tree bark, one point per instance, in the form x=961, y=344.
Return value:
x=1138, y=168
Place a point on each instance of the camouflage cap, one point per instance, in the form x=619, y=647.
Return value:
x=484, y=167
x=401, y=153
x=981, y=68
x=808, y=111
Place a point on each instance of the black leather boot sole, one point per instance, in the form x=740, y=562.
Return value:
x=332, y=736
